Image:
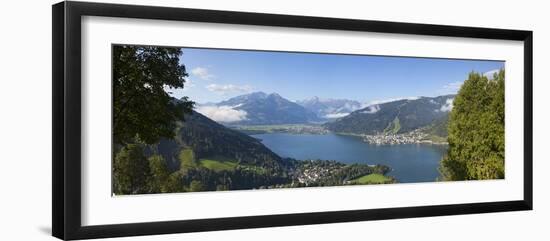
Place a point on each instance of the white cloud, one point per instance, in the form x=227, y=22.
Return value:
x=448, y=106
x=202, y=73
x=372, y=109
x=336, y=115
x=350, y=106
x=179, y=92
x=451, y=88
x=489, y=74
x=189, y=83
x=376, y=102
x=223, y=89
x=222, y=113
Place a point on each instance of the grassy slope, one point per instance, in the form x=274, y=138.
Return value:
x=374, y=178
x=217, y=166
x=219, y=163
x=393, y=127
x=187, y=159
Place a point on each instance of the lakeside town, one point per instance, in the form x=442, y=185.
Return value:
x=333, y=173
x=417, y=136
x=312, y=173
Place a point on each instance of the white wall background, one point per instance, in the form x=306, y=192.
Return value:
x=25, y=119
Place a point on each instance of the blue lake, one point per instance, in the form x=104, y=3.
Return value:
x=410, y=162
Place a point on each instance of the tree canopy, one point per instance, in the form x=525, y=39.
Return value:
x=162, y=180
x=131, y=171
x=476, y=130
x=142, y=108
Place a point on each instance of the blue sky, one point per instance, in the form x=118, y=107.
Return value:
x=216, y=75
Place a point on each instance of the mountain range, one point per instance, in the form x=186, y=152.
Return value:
x=338, y=115
x=395, y=117
x=330, y=108
x=259, y=108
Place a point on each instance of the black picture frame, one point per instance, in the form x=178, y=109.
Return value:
x=66, y=128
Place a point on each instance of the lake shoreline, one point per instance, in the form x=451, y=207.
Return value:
x=413, y=137
x=409, y=163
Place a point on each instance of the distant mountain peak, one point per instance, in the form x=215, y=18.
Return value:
x=329, y=108
x=257, y=94
x=262, y=109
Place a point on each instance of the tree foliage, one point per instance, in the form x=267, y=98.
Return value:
x=476, y=130
x=131, y=171
x=196, y=186
x=162, y=180
x=141, y=107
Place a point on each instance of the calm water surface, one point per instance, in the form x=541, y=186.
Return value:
x=410, y=162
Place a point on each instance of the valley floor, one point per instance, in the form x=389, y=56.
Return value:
x=418, y=136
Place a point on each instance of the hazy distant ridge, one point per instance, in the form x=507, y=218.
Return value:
x=330, y=108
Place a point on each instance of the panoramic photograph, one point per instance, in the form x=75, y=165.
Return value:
x=199, y=119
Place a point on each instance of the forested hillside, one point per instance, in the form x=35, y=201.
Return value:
x=394, y=117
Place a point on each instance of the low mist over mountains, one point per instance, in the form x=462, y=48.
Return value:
x=394, y=117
